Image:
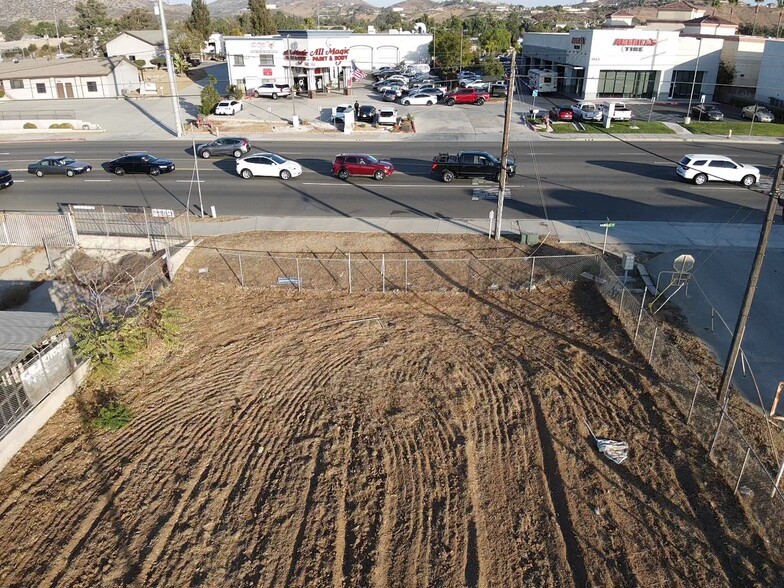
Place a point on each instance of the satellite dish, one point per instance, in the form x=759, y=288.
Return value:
x=683, y=263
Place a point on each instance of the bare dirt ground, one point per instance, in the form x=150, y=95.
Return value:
x=406, y=439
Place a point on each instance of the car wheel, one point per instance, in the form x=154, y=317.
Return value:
x=748, y=181
x=246, y=173
x=430, y=103
x=206, y=154
x=450, y=102
x=343, y=174
x=480, y=101
x=39, y=173
x=700, y=179
x=255, y=93
x=447, y=176
x=237, y=154
x=285, y=174
x=69, y=173
x=406, y=103
x=379, y=175
x=274, y=96
x=118, y=171
x=155, y=171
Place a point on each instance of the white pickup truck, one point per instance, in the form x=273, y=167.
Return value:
x=272, y=91
x=620, y=112
x=587, y=112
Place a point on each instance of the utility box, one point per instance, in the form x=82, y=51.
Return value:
x=529, y=238
x=627, y=260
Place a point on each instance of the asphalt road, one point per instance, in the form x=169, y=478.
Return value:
x=558, y=180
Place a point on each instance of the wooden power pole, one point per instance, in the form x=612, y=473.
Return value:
x=505, y=147
x=751, y=286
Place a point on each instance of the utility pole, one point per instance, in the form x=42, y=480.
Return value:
x=505, y=148
x=751, y=286
x=170, y=69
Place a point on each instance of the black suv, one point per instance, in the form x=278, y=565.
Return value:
x=139, y=163
x=234, y=146
x=6, y=181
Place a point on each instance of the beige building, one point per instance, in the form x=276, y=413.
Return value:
x=136, y=45
x=41, y=79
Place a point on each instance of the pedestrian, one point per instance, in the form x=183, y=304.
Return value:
x=356, y=109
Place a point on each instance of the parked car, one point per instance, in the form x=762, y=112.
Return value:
x=620, y=111
x=466, y=96
x=389, y=96
x=498, y=88
x=193, y=61
x=562, y=113
x=477, y=84
x=438, y=93
x=701, y=168
x=757, y=113
x=418, y=98
x=234, y=146
x=58, y=165
x=360, y=164
x=139, y=163
x=229, y=107
x=272, y=91
x=269, y=165
x=397, y=86
x=587, y=112
x=6, y=179
x=706, y=112
x=387, y=115
x=367, y=113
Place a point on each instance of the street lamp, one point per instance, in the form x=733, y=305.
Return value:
x=170, y=69
x=291, y=84
x=687, y=118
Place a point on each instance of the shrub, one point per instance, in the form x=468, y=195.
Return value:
x=65, y=125
x=2, y=92
x=113, y=417
x=140, y=63
x=159, y=62
x=29, y=125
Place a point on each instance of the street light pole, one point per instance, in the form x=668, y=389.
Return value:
x=751, y=286
x=170, y=69
x=694, y=79
x=291, y=79
x=505, y=149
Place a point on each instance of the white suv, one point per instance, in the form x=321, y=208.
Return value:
x=700, y=168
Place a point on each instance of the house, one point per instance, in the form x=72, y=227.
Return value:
x=41, y=79
x=136, y=46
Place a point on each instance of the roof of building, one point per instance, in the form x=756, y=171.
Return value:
x=44, y=68
x=622, y=14
x=710, y=19
x=678, y=6
x=151, y=37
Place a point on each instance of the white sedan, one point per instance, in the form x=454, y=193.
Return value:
x=477, y=84
x=268, y=164
x=387, y=115
x=419, y=98
x=228, y=107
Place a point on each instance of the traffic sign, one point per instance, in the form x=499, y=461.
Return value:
x=607, y=225
x=535, y=93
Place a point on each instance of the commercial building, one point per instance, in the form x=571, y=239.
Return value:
x=770, y=87
x=319, y=61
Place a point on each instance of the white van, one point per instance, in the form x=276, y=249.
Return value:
x=418, y=68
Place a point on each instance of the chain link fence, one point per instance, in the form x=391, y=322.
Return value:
x=747, y=459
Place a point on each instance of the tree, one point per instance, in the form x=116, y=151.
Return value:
x=726, y=74
x=184, y=41
x=447, y=49
x=756, y=11
x=780, y=6
x=44, y=28
x=493, y=67
x=733, y=4
x=496, y=40
x=200, y=22
x=209, y=97
x=715, y=4
x=138, y=19
x=259, y=21
x=94, y=28
x=229, y=27
x=389, y=20
x=14, y=32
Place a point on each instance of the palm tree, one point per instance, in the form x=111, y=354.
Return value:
x=715, y=4
x=733, y=4
x=780, y=5
x=756, y=11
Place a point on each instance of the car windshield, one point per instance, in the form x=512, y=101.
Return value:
x=277, y=158
x=491, y=158
x=370, y=159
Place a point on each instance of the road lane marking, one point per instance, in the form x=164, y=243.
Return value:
x=97, y=180
x=190, y=181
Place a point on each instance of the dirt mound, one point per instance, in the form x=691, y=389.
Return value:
x=432, y=439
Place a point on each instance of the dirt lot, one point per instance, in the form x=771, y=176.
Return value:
x=406, y=439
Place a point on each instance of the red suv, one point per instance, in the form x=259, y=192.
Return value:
x=360, y=164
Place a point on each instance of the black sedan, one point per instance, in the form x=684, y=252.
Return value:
x=706, y=112
x=139, y=163
x=6, y=180
x=58, y=164
x=234, y=146
x=367, y=113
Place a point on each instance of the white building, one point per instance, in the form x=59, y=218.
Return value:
x=136, y=45
x=315, y=61
x=39, y=79
x=770, y=87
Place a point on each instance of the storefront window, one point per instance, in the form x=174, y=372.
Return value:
x=682, y=83
x=626, y=84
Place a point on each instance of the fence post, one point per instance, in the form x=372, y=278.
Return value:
x=72, y=226
x=531, y=281
x=693, y=400
x=743, y=467
x=299, y=279
x=406, y=274
x=718, y=427
x=48, y=257
x=6, y=240
x=106, y=220
x=350, y=287
x=620, y=304
x=242, y=276
x=653, y=342
x=383, y=274
x=639, y=318
x=778, y=479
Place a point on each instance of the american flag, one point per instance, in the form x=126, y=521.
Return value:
x=356, y=73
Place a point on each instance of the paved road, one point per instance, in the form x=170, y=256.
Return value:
x=556, y=180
